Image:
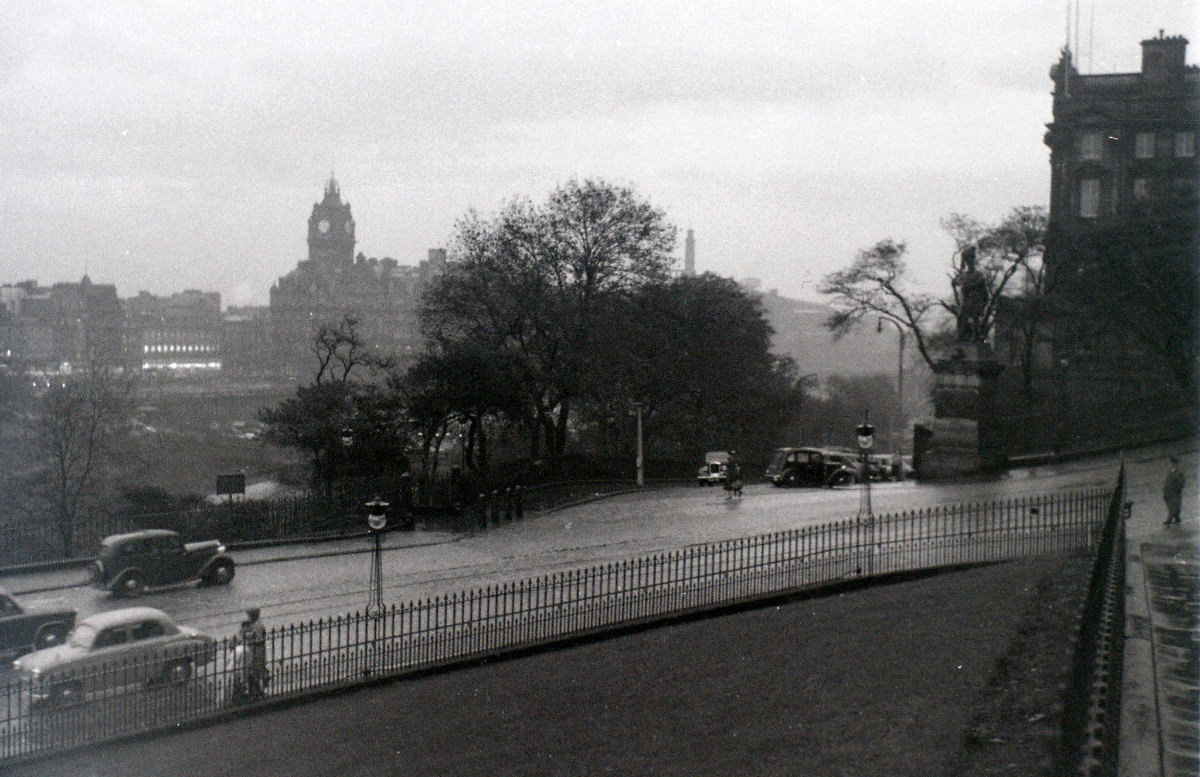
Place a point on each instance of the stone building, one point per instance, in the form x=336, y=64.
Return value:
x=334, y=282
x=177, y=334
x=1117, y=138
x=1122, y=223
x=1121, y=146
x=61, y=328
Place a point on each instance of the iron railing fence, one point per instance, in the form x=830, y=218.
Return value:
x=297, y=517
x=1091, y=703
x=28, y=540
x=308, y=658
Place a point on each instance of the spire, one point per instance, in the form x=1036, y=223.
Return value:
x=332, y=192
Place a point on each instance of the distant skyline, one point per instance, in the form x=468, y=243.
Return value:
x=182, y=145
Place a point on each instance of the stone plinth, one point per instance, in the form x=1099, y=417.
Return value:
x=954, y=442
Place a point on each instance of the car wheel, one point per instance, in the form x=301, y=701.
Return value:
x=841, y=479
x=791, y=478
x=178, y=672
x=50, y=635
x=221, y=574
x=132, y=585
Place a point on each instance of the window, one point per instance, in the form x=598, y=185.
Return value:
x=1140, y=190
x=1090, y=146
x=109, y=637
x=133, y=548
x=1185, y=144
x=1145, y=145
x=148, y=629
x=1089, y=198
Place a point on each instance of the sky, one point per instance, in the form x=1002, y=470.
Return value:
x=171, y=145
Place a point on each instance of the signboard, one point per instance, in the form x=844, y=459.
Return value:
x=866, y=437
x=377, y=514
x=231, y=484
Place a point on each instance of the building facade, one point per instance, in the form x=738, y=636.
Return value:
x=1116, y=334
x=333, y=282
x=1121, y=138
x=61, y=328
x=178, y=334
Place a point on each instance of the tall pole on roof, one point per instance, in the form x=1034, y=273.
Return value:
x=1068, y=27
x=1091, y=36
x=1077, y=26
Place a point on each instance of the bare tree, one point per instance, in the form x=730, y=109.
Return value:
x=1012, y=248
x=74, y=440
x=876, y=284
x=342, y=349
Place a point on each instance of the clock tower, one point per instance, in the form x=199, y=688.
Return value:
x=331, y=229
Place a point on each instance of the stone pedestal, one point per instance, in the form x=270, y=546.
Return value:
x=956, y=440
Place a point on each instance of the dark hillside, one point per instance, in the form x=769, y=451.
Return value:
x=800, y=334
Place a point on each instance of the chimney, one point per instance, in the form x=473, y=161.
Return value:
x=1163, y=58
x=689, y=254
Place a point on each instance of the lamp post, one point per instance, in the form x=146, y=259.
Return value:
x=641, y=471
x=376, y=524
x=898, y=428
x=866, y=439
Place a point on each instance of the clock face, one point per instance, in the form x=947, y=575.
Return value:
x=323, y=225
x=348, y=227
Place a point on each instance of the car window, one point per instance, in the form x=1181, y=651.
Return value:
x=8, y=606
x=132, y=548
x=117, y=635
x=148, y=629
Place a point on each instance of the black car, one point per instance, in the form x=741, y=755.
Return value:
x=813, y=467
x=130, y=563
x=31, y=627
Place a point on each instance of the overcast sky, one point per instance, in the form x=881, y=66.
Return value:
x=171, y=145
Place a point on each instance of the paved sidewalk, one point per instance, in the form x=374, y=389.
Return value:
x=1160, y=707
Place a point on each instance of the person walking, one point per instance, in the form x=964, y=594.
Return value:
x=1173, y=491
x=253, y=641
x=733, y=476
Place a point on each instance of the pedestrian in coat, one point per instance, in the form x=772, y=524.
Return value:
x=1173, y=491
x=252, y=640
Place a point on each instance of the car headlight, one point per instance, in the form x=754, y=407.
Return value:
x=220, y=548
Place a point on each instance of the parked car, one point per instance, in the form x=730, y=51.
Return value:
x=128, y=564
x=31, y=627
x=888, y=466
x=713, y=471
x=126, y=649
x=813, y=467
x=879, y=466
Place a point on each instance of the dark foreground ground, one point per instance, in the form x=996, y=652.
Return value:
x=944, y=675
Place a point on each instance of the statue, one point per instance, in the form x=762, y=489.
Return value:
x=972, y=299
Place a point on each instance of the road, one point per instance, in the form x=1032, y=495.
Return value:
x=293, y=590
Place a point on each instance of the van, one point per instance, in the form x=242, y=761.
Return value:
x=714, y=470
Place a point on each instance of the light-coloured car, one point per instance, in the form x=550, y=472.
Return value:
x=119, y=649
x=713, y=471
